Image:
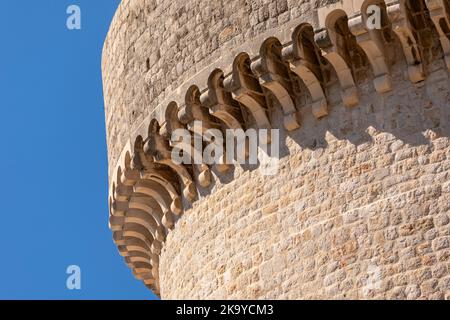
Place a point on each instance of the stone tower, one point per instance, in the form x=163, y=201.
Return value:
x=360, y=93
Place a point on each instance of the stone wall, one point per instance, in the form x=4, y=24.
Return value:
x=360, y=210
x=153, y=47
x=360, y=207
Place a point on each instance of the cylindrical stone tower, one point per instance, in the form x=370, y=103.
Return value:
x=359, y=205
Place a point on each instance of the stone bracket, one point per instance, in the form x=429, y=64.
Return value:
x=331, y=52
x=440, y=15
x=246, y=89
x=373, y=48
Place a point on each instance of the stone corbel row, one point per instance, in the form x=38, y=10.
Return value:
x=399, y=17
x=149, y=191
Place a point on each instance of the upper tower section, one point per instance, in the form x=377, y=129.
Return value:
x=155, y=46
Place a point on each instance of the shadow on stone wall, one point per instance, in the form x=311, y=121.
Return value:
x=410, y=114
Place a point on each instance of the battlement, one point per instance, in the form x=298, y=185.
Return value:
x=304, y=69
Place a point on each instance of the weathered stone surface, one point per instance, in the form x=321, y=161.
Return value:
x=360, y=207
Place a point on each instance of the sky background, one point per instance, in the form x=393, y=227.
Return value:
x=53, y=156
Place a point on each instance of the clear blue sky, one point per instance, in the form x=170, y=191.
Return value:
x=53, y=155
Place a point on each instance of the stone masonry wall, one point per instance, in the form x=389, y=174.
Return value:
x=360, y=209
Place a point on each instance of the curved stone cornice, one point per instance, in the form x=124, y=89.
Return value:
x=149, y=192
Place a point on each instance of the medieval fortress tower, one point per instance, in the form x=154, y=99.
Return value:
x=360, y=205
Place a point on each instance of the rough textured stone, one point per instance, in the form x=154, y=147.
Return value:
x=360, y=207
